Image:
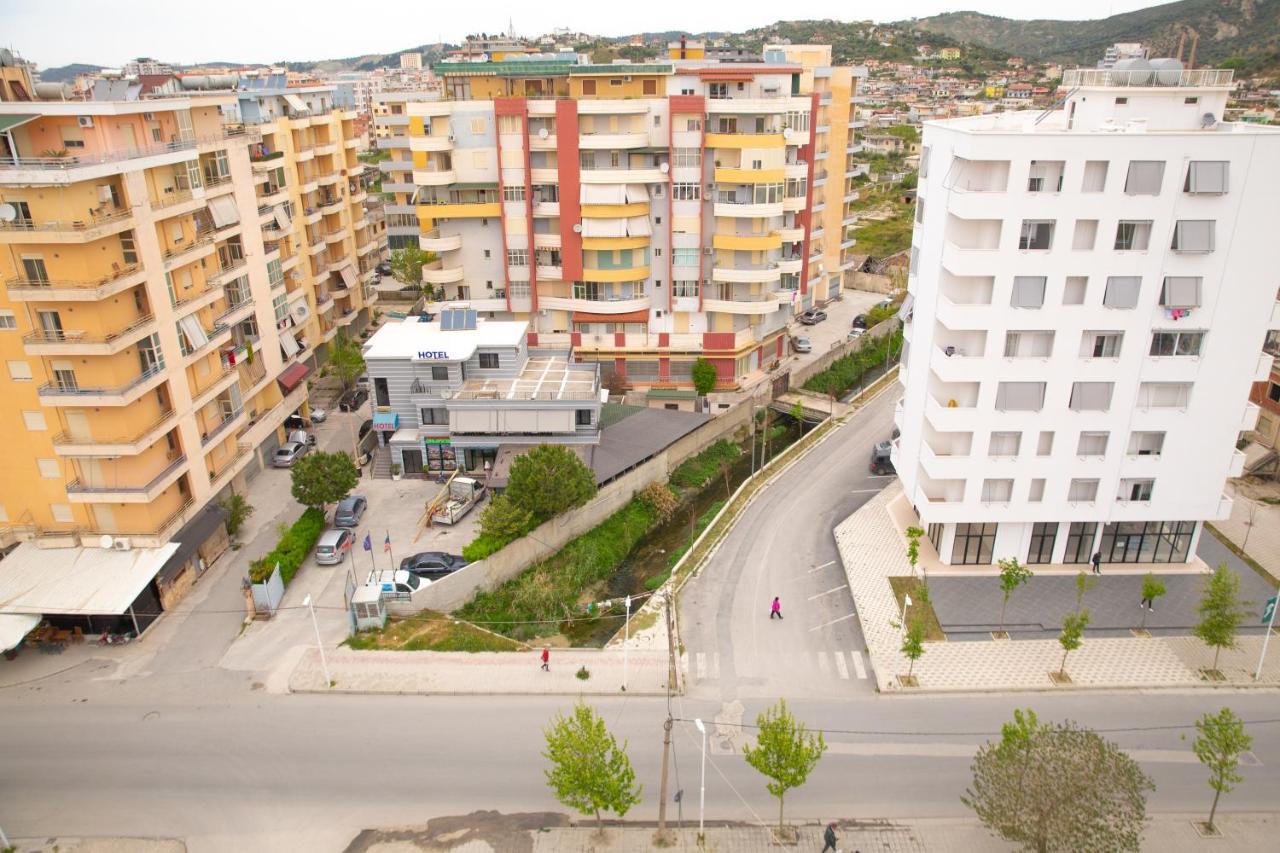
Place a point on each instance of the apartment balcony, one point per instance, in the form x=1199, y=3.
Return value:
x=312, y=184
x=548, y=272
x=348, y=317
x=326, y=150
x=219, y=430
x=66, y=231
x=337, y=235
x=329, y=179
x=189, y=252
x=612, y=141
x=957, y=367
x=86, y=290
x=746, y=211
x=61, y=171
x=791, y=265
x=220, y=475
x=958, y=418
x=595, y=306
x=749, y=304
x=612, y=275
x=542, y=176
x=945, y=466
x=748, y=140
x=761, y=273
x=747, y=242
x=792, y=235
x=324, y=303
x=359, y=196
x=76, y=396
x=749, y=176
x=652, y=175
x=329, y=206
x=218, y=336
x=195, y=298
x=318, y=246
x=969, y=262
x=128, y=493
x=311, y=216
x=219, y=382
x=234, y=314
x=1249, y=419
x=434, y=143
x=553, y=241
x=610, y=106
x=302, y=155
x=458, y=210
x=434, y=241
x=546, y=208
x=179, y=203
x=365, y=248
x=545, y=143
x=777, y=105
x=794, y=204
x=77, y=342
x=65, y=444
x=434, y=177
x=445, y=275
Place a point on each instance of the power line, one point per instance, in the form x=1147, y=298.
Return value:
x=903, y=733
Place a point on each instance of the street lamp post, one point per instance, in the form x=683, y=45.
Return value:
x=324, y=664
x=626, y=641
x=702, y=785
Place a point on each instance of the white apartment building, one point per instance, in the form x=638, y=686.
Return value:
x=1090, y=292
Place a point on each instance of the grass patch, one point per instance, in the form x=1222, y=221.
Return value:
x=1249, y=561
x=920, y=608
x=699, y=525
x=880, y=238
x=431, y=632
x=697, y=471
x=848, y=371
x=533, y=602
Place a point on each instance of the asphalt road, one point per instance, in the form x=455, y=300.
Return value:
x=783, y=545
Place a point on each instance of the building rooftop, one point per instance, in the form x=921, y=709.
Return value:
x=544, y=377
x=416, y=340
x=545, y=68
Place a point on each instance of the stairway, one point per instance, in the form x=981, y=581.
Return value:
x=381, y=468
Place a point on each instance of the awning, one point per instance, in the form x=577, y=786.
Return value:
x=289, y=344
x=406, y=437
x=282, y=218
x=193, y=534
x=904, y=311
x=638, y=226
x=603, y=194
x=349, y=276
x=77, y=581
x=637, y=193
x=224, y=212
x=386, y=421
x=604, y=227
x=14, y=627
x=295, y=103
x=641, y=316
x=10, y=122
x=291, y=377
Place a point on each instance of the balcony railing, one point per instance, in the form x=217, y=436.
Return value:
x=73, y=225
x=91, y=288
x=53, y=389
x=78, y=160
x=67, y=439
x=75, y=487
x=216, y=474
x=212, y=435
x=75, y=336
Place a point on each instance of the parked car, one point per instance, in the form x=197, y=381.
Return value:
x=813, y=317
x=353, y=400
x=334, y=545
x=801, y=345
x=384, y=268
x=880, y=461
x=288, y=453
x=350, y=510
x=318, y=416
x=854, y=334
x=296, y=421
x=364, y=429
x=860, y=322
x=396, y=582
x=432, y=564
x=362, y=382
x=884, y=303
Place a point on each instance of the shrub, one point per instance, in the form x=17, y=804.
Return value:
x=660, y=499
x=846, y=372
x=697, y=471
x=704, y=376
x=291, y=550
x=549, y=480
x=238, y=511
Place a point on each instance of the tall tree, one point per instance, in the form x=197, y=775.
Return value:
x=548, y=480
x=323, y=478
x=1012, y=575
x=345, y=360
x=785, y=752
x=1057, y=788
x=1219, y=743
x=1072, y=636
x=589, y=771
x=407, y=264
x=704, y=376
x=1220, y=611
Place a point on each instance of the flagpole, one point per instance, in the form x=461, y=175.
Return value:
x=390, y=552
x=372, y=564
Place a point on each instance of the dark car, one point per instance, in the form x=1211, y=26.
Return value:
x=860, y=322
x=813, y=317
x=384, y=268
x=353, y=400
x=350, y=510
x=364, y=429
x=880, y=462
x=432, y=564
x=296, y=421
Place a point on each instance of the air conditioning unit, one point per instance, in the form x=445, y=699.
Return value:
x=148, y=116
x=708, y=250
x=626, y=79
x=85, y=121
x=120, y=544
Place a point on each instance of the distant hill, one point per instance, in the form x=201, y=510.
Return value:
x=64, y=73
x=1249, y=29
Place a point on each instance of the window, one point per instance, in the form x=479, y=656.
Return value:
x=1020, y=396
x=1146, y=443
x=8, y=320
x=489, y=361
x=1080, y=536
x=512, y=193
x=1193, y=235
x=509, y=124
x=1095, y=176
x=279, y=308
x=517, y=257
x=49, y=469
x=1086, y=234
x=1101, y=344
x=768, y=193
x=583, y=417
x=62, y=512
x=588, y=87
x=1176, y=343
x=1206, y=176
x=34, y=421
x=1145, y=177
x=1044, y=446
x=919, y=210
x=1074, y=289
x=487, y=255
x=1122, y=291
x=1043, y=535
x=1135, y=490
x=1028, y=344
x=439, y=373
x=684, y=257
x=797, y=187
x=19, y=371
x=128, y=249
x=433, y=416
x=1092, y=444
x=1164, y=395
x=1147, y=541
x=687, y=157
x=973, y=544
x=693, y=124
x=615, y=81
x=1181, y=292
x=1028, y=291
x=33, y=269
x=381, y=393
x=1083, y=491
x=1133, y=235
x=477, y=125
x=686, y=191
x=1036, y=234
x=650, y=87
x=924, y=162
x=684, y=287
x=1120, y=102
x=997, y=491
x=1035, y=494
x=1091, y=396
x=1004, y=444
x=1273, y=392
x=1190, y=102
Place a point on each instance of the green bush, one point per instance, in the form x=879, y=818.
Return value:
x=482, y=546
x=292, y=548
x=696, y=471
x=844, y=373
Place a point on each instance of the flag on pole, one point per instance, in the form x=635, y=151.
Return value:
x=368, y=543
x=386, y=545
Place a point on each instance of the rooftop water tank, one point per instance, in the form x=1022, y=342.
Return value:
x=1168, y=71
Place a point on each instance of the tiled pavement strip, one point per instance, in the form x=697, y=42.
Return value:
x=873, y=549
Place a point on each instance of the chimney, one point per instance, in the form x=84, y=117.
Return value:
x=1182, y=40
x=1191, y=60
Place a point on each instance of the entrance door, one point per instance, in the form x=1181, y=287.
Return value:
x=412, y=461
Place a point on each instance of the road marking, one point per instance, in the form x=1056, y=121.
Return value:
x=715, y=665
x=833, y=621
x=841, y=666
x=859, y=669
x=822, y=663
x=828, y=592
x=823, y=566
x=866, y=491
x=702, y=666
x=881, y=476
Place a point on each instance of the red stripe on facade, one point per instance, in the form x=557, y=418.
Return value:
x=520, y=107
x=498, y=106
x=671, y=180
x=807, y=151
x=718, y=340
x=570, y=204
x=702, y=207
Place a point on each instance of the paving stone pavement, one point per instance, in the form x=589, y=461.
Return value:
x=872, y=549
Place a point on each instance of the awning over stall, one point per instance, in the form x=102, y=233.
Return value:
x=77, y=581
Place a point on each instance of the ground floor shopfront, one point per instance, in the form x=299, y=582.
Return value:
x=1075, y=542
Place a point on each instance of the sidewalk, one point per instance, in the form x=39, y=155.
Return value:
x=872, y=549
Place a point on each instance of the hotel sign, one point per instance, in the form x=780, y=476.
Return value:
x=429, y=355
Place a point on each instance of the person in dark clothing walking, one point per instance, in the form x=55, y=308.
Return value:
x=546, y=659
x=1148, y=602
x=1097, y=562
x=830, y=837
x=776, y=610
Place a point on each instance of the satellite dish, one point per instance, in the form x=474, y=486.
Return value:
x=577, y=228
x=787, y=133
x=8, y=213
x=664, y=167
x=1206, y=120
x=106, y=542
x=543, y=133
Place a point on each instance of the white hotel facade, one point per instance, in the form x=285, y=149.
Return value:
x=1090, y=291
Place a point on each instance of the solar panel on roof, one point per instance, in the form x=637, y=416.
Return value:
x=469, y=319
x=446, y=320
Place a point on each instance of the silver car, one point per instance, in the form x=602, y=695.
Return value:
x=288, y=453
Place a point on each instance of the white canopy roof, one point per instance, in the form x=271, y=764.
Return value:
x=14, y=628
x=77, y=581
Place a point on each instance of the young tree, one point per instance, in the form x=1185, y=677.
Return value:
x=1220, y=611
x=503, y=520
x=407, y=264
x=1084, y=583
x=785, y=752
x=1072, y=637
x=238, y=510
x=913, y=644
x=1056, y=787
x=797, y=414
x=323, y=478
x=1012, y=575
x=704, y=377
x=548, y=480
x=1220, y=741
x=1152, y=588
x=913, y=548
x=589, y=772
x=346, y=360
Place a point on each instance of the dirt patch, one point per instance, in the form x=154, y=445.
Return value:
x=1059, y=677
x=432, y=632
x=512, y=833
x=920, y=608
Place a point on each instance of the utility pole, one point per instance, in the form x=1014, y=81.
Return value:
x=661, y=835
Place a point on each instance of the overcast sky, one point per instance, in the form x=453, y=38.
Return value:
x=100, y=32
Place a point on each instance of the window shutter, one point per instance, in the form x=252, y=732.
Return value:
x=1181, y=291
x=1145, y=177
x=1028, y=291
x=1207, y=176
x=1122, y=291
x=1193, y=235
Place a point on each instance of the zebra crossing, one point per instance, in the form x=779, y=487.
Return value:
x=835, y=664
